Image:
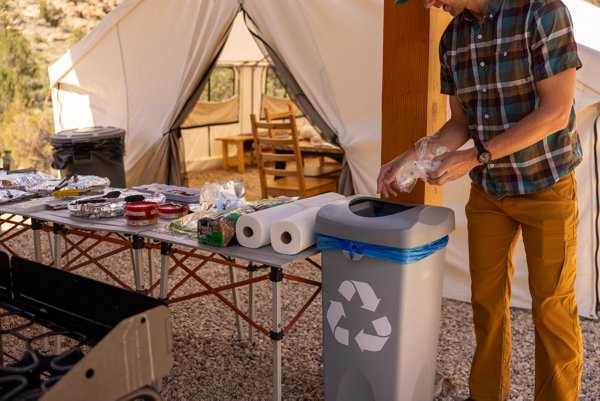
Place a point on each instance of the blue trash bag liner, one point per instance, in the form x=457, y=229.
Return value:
x=397, y=255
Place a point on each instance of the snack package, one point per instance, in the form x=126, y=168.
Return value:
x=188, y=224
x=427, y=149
x=218, y=229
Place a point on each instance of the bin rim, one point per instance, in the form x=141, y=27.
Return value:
x=87, y=134
x=416, y=226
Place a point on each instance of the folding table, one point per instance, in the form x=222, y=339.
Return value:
x=172, y=247
x=266, y=256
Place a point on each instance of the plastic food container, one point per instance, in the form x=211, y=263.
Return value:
x=141, y=213
x=172, y=210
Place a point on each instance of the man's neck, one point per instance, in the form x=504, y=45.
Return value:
x=477, y=8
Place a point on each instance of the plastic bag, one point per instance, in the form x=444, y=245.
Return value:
x=222, y=196
x=427, y=149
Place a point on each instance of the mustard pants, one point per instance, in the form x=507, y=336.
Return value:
x=548, y=221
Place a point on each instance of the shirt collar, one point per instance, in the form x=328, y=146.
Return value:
x=491, y=11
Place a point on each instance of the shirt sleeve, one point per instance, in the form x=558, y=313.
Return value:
x=447, y=84
x=553, y=45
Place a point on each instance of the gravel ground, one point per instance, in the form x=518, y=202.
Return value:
x=211, y=363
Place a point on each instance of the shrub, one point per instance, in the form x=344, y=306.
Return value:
x=20, y=126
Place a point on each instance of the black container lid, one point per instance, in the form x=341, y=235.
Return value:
x=89, y=134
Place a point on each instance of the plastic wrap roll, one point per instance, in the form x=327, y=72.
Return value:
x=295, y=233
x=254, y=230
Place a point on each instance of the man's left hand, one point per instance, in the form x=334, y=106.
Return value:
x=453, y=165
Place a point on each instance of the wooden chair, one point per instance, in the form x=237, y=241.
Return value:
x=290, y=181
x=323, y=168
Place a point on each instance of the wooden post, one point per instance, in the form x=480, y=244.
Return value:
x=412, y=105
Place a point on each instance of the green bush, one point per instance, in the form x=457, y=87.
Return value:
x=25, y=131
x=18, y=68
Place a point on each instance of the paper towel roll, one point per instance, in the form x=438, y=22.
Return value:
x=254, y=230
x=295, y=233
x=319, y=200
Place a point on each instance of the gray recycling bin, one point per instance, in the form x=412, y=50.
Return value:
x=382, y=265
x=91, y=151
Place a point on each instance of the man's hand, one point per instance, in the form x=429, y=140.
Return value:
x=386, y=180
x=453, y=165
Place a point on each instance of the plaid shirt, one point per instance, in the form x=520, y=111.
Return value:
x=493, y=68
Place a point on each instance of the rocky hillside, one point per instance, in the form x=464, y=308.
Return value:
x=53, y=26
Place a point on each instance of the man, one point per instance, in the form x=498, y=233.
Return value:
x=509, y=69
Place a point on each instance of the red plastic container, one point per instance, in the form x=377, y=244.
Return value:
x=172, y=210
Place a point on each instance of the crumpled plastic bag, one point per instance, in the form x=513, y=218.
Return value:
x=427, y=149
x=222, y=196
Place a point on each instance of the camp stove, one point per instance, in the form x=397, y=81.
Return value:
x=66, y=337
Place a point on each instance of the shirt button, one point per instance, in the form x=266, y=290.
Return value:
x=484, y=90
x=479, y=36
x=482, y=64
x=486, y=116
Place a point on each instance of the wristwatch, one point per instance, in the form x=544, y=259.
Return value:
x=483, y=155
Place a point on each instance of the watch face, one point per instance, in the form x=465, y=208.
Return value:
x=484, y=157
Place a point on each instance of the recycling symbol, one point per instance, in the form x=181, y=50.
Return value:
x=335, y=312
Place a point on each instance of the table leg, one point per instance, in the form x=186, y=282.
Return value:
x=36, y=226
x=234, y=295
x=137, y=243
x=251, y=270
x=165, y=248
x=240, y=157
x=56, y=229
x=225, y=148
x=150, y=271
x=276, y=276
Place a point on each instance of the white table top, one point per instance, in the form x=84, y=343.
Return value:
x=264, y=255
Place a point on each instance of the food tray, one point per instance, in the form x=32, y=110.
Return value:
x=172, y=193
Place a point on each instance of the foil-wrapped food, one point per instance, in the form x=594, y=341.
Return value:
x=97, y=208
x=11, y=195
x=23, y=181
x=71, y=182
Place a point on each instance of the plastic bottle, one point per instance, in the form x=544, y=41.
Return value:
x=7, y=159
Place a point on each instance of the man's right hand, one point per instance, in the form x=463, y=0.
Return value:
x=386, y=180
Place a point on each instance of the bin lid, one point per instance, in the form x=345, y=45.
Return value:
x=88, y=134
x=383, y=222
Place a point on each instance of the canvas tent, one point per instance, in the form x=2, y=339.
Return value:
x=143, y=65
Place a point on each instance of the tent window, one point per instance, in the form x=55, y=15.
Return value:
x=220, y=85
x=273, y=85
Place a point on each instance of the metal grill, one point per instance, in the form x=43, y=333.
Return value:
x=66, y=337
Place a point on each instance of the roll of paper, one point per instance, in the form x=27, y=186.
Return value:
x=319, y=200
x=254, y=230
x=295, y=233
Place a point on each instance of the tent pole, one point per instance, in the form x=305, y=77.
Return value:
x=412, y=105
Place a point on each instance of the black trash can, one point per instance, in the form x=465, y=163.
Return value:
x=91, y=151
